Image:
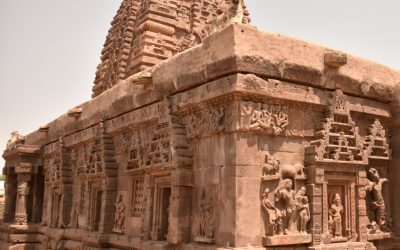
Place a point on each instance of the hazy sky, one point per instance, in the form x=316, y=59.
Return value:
x=49, y=49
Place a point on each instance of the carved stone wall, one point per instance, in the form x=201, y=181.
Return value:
x=276, y=144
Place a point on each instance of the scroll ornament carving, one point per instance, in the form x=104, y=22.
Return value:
x=119, y=215
x=206, y=225
x=205, y=123
x=377, y=203
x=262, y=117
x=16, y=140
x=291, y=212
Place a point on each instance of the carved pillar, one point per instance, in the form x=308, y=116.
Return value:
x=362, y=206
x=180, y=207
x=315, y=190
x=21, y=212
x=11, y=195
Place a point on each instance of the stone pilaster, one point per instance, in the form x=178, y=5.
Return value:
x=180, y=207
x=21, y=212
x=315, y=190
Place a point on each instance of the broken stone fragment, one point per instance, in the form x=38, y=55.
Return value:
x=44, y=129
x=335, y=59
x=142, y=78
x=75, y=112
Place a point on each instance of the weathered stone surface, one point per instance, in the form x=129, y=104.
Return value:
x=276, y=143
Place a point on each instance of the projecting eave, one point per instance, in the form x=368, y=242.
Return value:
x=236, y=49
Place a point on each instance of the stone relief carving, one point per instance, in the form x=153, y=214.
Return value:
x=335, y=217
x=119, y=215
x=205, y=123
x=270, y=166
x=16, y=139
x=206, y=225
x=147, y=147
x=338, y=139
x=294, y=208
x=377, y=204
x=274, y=225
x=375, y=143
x=263, y=117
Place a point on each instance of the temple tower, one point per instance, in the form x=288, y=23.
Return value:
x=145, y=32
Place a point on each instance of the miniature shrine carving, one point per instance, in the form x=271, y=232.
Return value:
x=375, y=143
x=338, y=137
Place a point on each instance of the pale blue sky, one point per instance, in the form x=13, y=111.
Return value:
x=49, y=49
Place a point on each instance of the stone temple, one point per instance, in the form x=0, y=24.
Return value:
x=205, y=133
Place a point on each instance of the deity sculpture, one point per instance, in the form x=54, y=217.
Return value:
x=119, y=216
x=286, y=196
x=271, y=166
x=335, y=217
x=304, y=213
x=295, y=208
x=377, y=204
x=274, y=215
x=206, y=223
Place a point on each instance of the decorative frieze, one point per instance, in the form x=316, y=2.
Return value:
x=265, y=118
x=205, y=123
x=149, y=146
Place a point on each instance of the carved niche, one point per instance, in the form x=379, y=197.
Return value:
x=263, y=117
x=205, y=123
x=206, y=219
x=286, y=215
x=286, y=212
